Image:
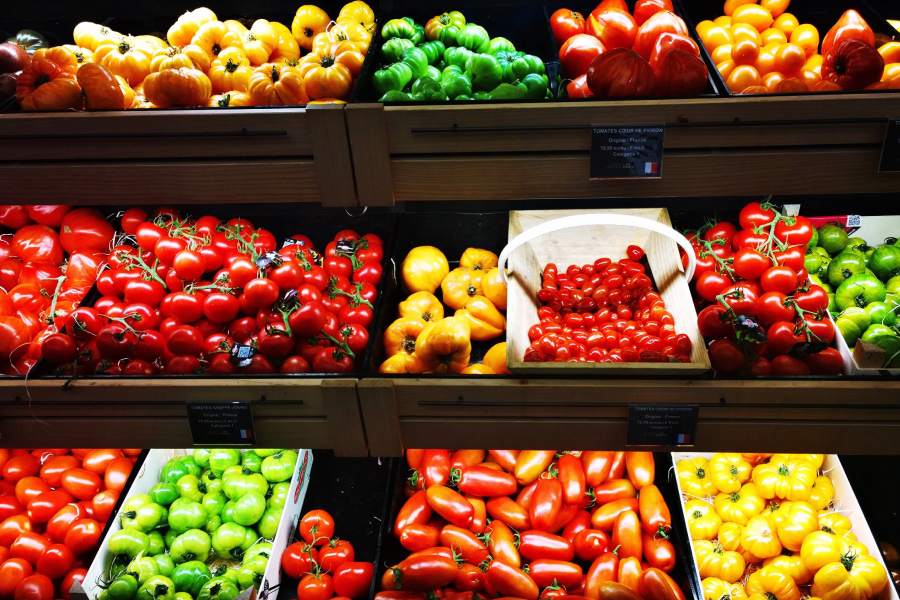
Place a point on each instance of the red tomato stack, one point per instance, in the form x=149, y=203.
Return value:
x=762, y=313
x=47, y=267
x=615, y=53
x=604, y=312
x=203, y=295
x=54, y=504
x=531, y=524
x=325, y=564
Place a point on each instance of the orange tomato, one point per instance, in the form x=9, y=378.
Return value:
x=753, y=14
x=742, y=76
x=773, y=36
x=790, y=58
x=771, y=80
x=725, y=67
x=776, y=7
x=786, y=22
x=721, y=53
x=807, y=37
x=814, y=63
x=745, y=31
x=716, y=36
x=755, y=89
x=703, y=27
x=890, y=52
x=723, y=21
x=891, y=72
x=745, y=52
x=791, y=85
x=730, y=5
x=765, y=62
x=810, y=77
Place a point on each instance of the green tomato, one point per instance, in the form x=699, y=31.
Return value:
x=189, y=487
x=193, y=544
x=436, y=27
x=393, y=49
x=392, y=78
x=395, y=96
x=178, y=467
x=183, y=596
x=455, y=83
x=190, y=576
x=278, y=494
x=485, y=71
x=145, y=518
x=165, y=564
x=201, y=457
x=885, y=262
x=535, y=86
x=213, y=502
x=264, y=452
x=209, y=479
x=881, y=313
x=103, y=595
x=457, y=56
x=833, y=238
x=136, y=501
x=247, y=578
x=816, y=279
x=474, y=37
x=228, y=541
x=123, y=587
x=857, y=243
x=434, y=50
x=816, y=264
x=164, y=493
x=500, y=44
x=399, y=28
x=279, y=467
x=509, y=91
x=268, y=524
x=859, y=290
x=249, y=508
x=186, y=514
x=263, y=549
x=218, y=588
x=236, y=486
x=227, y=514
x=230, y=574
x=170, y=536
x=222, y=458
x=858, y=315
x=128, y=542
x=832, y=304
x=417, y=61
x=158, y=587
x=155, y=543
x=424, y=89
x=257, y=564
x=875, y=331
x=845, y=265
x=214, y=522
x=142, y=568
x=893, y=285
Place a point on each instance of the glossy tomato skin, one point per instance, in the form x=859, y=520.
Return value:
x=352, y=579
x=578, y=52
x=565, y=23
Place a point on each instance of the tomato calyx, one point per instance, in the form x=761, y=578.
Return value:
x=355, y=298
x=131, y=260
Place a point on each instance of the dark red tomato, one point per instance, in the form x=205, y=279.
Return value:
x=85, y=230
x=761, y=367
x=714, y=322
x=37, y=243
x=794, y=231
x=275, y=342
x=14, y=216
x=781, y=337
x=115, y=341
x=29, y=545
x=725, y=356
x=785, y=364
x=331, y=360
x=241, y=330
x=150, y=345
x=139, y=367
x=259, y=364
x=825, y=362
x=294, y=364
x=182, y=365
x=220, y=364
x=750, y=263
x=55, y=561
x=259, y=293
x=723, y=230
x=756, y=214
x=779, y=279
x=34, y=587
x=185, y=339
x=58, y=348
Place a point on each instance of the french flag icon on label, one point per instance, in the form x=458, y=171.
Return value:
x=651, y=168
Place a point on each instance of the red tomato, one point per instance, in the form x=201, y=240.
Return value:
x=465, y=543
x=83, y=535
x=794, y=231
x=69, y=580
x=334, y=554
x=353, y=579
x=825, y=362
x=316, y=527
x=654, y=584
x=710, y=284
x=416, y=537
x=14, y=216
x=679, y=73
x=546, y=503
x=42, y=508
x=547, y=572
x=29, y=545
x=784, y=364
x=725, y=356
x=29, y=488
x=55, y=561
x=644, y=9
x=540, y=544
x=117, y=473
x=9, y=506
x=621, y=73
x=34, y=587
x=578, y=52
x=85, y=230
x=297, y=560
x=37, y=243
x=17, y=467
x=614, y=28
x=450, y=505
x=578, y=88
x=510, y=581
x=660, y=22
x=81, y=483
x=104, y=504
x=315, y=587
x=565, y=23
x=13, y=571
x=414, y=511
x=779, y=279
x=98, y=460
x=590, y=543
x=502, y=544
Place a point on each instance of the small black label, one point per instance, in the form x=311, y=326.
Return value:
x=662, y=425
x=627, y=152
x=890, y=149
x=221, y=423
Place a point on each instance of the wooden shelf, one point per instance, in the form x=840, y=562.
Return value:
x=151, y=413
x=178, y=157
x=713, y=147
x=762, y=415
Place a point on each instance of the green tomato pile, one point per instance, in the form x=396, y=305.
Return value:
x=450, y=59
x=205, y=531
x=863, y=283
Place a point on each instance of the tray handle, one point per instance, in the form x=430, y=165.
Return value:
x=574, y=221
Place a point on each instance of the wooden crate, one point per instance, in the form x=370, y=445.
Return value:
x=582, y=245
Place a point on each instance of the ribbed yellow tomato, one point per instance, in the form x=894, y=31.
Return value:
x=694, y=477
x=760, y=539
x=715, y=561
x=702, y=519
x=729, y=471
x=738, y=507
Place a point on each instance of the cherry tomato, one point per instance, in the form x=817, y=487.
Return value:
x=12, y=572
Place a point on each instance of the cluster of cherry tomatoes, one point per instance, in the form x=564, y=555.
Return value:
x=532, y=524
x=47, y=266
x=54, y=503
x=183, y=295
x=604, y=312
x=762, y=313
x=325, y=564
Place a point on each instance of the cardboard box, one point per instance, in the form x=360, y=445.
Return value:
x=148, y=476
x=845, y=502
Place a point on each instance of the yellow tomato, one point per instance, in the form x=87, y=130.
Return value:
x=786, y=22
x=694, y=477
x=717, y=589
x=775, y=7
x=478, y=259
x=725, y=67
x=820, y=548
x=807, y=37
x=729, y=471
x=422, y=306
x=890, y=52
x=715, y=561
x=738, y=507
x=765, y=64
x=816, y=460
x=773, y=36
x=790, y=480
x=793, y=566
x=822, y=492
x=722, y=53
x=424, y=268
x=891, y=72
x=742, y=76
x=789, y=60
x=703, y=27
x=729, y=536
x=730, y=5
x=760, y=539
x=772, y=583
x=834, y=522
x=851, y=578
x=703, y=522
x=753, y=14
x=745, y=31
x=745, y=52
x=716, y=36
x=723, y=21
x=800, y=520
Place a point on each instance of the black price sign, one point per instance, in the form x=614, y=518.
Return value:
x=890, y=149
x=627, y=152
x=221, y=423
x=662, y=425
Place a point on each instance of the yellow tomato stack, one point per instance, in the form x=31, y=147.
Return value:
x=207, y=62
x=763, y=526
x=760, y=48
x=423, y=340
